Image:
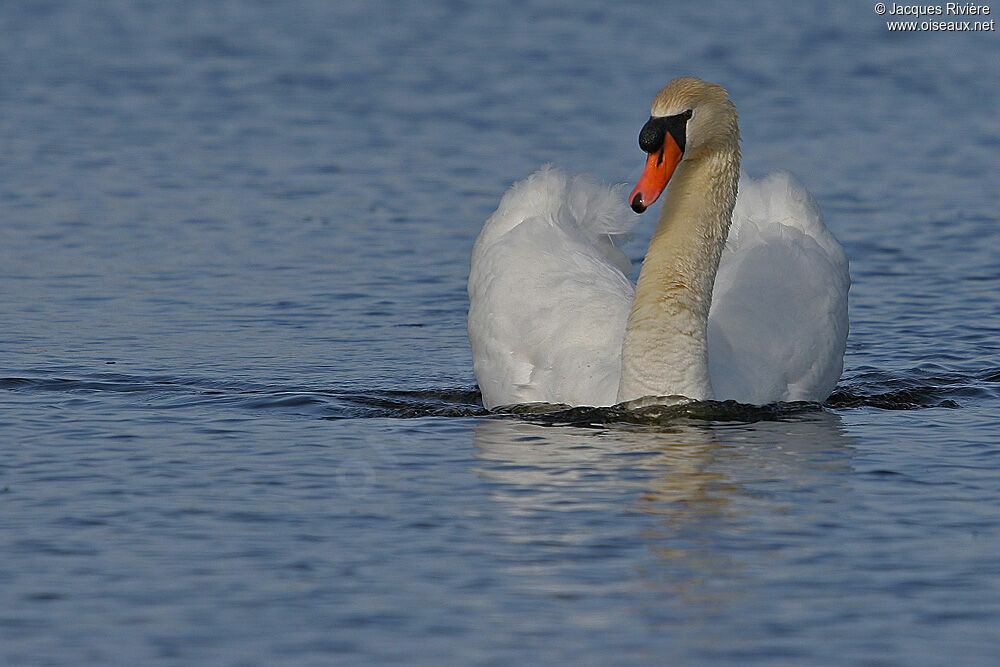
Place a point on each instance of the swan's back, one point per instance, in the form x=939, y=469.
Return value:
x=549, y=299
x=548, y=295
x=778, y=324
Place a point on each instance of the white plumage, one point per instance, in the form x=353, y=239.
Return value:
x=549, y=296
x=778, y=324
x=548, y=307
x=550, y=301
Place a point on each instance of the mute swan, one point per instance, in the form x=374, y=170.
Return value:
x=760, y=317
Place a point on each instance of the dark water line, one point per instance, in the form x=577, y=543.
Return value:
x=869, y=388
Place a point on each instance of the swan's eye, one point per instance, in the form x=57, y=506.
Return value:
x=655, y=130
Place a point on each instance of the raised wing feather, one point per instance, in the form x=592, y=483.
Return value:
x=549, y=299
x=778, y=324
x=548, y=295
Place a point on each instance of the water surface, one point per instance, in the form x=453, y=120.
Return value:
x=239, y=418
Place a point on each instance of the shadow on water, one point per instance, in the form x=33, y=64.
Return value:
x=866, y=388
x=929, y=387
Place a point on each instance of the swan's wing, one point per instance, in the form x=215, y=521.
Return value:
x=548, y=295
x=778, y=324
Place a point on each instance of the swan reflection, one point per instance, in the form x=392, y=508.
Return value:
x=690, y=495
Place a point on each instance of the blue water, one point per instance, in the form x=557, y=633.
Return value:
x=239, y=422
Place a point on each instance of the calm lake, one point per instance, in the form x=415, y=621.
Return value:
x=238, y=415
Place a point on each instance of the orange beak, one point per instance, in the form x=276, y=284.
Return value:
x=659, y=168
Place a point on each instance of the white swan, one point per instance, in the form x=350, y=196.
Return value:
x=759, y=318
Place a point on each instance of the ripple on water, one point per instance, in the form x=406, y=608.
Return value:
x=867, y=388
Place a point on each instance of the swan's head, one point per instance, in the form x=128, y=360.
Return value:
x=689, y=117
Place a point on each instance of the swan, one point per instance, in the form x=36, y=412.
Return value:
x=741, y=298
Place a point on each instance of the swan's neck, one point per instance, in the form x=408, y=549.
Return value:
x=665, y=351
